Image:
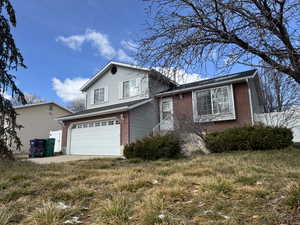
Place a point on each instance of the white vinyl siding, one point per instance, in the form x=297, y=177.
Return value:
x=114, y=84
x=214, y=104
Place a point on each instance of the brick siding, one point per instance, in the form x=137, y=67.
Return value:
x=183, y=107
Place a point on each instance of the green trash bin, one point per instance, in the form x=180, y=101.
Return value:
x=49, y=147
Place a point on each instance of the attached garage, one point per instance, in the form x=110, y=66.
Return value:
x=100, y=137
x=102, y=131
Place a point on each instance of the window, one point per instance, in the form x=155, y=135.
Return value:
x=111, y=122
x=166, y=110
x=214, y=104
x=204, y=102
x=130, y=88
x=99, y=95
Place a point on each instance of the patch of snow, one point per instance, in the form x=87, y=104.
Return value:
x=155, y=182
x=61, y=205
x=74, y=220
x=205, y=212
x=161, y=216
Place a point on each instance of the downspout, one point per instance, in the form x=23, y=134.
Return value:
x=62, y=133
x=250, y=101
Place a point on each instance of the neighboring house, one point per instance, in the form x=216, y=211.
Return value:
x=125, y=103
x=38, y=120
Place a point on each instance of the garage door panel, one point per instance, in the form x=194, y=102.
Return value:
x=96, y=140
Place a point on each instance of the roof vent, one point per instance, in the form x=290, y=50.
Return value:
x=113, y=70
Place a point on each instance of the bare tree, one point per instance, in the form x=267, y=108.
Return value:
x=76, y=105
x=30, y=99
x=281, y=95
x=189, y=33
x=280, y=92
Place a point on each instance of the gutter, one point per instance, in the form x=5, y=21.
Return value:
x=104, y=112
x=203, y=86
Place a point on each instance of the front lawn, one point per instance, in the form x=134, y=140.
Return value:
x=231, y=188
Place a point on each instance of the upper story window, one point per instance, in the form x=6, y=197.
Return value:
x=99, y=95
x=214, y=104
x=130, y=88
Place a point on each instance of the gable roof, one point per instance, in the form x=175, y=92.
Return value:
x=229, y=78
x=105, y=69
x=121, y=107
x=92, y=80
x=41, y=103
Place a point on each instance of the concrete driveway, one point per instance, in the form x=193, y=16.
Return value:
x=63, y=158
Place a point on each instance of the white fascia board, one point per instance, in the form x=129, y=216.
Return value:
x=99, y=73
x=204, y=86
x=121, y=109
x=104, y=112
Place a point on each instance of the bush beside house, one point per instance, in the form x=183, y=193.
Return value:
x=154, y=147
x=171, y=145
x=249, y=138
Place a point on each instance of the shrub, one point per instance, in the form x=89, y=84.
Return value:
x=256, y=137
x=154, y=147
x=48, y=214
x=293, y=196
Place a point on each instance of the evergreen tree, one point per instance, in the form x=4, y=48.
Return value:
x=10, y=60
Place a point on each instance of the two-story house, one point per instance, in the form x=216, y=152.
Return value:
x=125, y=103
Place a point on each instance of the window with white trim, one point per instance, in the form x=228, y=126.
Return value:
x=131, y=88
x=214, y=104
x=166, y=110
x=99, y=95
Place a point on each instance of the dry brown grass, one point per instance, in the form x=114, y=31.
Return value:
x=233, y=188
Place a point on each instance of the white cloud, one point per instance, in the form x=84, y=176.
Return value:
x=129, y=45
x=122, y=56
x=180, y=76
x=69, y=89
x=74, y=42
x=101, y=43
x=96, y=39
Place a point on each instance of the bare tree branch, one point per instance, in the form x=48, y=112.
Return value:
x=184, y=33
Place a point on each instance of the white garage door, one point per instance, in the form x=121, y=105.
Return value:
x=96, y=138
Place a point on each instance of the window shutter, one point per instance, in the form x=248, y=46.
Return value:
x=106, y=94
x=92, y=96
x=139, y=85
x=121, y=90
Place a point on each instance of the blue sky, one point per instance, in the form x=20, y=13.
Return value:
x=64, y=42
